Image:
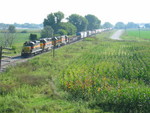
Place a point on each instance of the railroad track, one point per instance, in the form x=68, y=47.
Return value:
x=18, y=59
x=11, y=62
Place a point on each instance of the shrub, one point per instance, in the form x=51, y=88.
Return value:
x=24, y=31
x=33, y=37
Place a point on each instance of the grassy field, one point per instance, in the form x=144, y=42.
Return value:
x=134, y=34
x=95, y=75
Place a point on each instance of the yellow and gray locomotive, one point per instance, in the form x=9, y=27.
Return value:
x=30, y=48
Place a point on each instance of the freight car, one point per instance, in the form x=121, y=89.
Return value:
x=45, y=44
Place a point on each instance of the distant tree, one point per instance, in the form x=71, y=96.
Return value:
x=131, y=25
x=69, y=27
x=47, y=32
x=107, y=25
x=147, y=25
x=3, y=26
x=33, y=37
x=28, y=25
x=119, y=25
x=11, y=29
x=93, y=22
x=53, y=20
x=80, y=22
x=24, y=31
x=9, y=35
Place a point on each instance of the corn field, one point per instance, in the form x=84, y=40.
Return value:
x=111, y=74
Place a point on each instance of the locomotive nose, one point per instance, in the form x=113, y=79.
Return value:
x=26, y=49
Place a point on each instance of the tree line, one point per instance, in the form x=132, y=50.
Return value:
x=53, y=24
x=130, y=25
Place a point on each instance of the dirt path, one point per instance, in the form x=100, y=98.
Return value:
x=117, y=34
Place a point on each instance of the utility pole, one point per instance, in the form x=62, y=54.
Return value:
x=125, y=29
x=54, y=45
x=53, y=51
x=0, y=56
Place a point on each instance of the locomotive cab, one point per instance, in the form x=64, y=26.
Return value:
x=26, y=50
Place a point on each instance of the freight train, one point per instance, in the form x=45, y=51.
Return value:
x=31, y=48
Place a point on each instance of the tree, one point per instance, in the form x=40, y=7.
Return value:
x=28, y=25
x=3, y=26
x=78, y=21
x=11, y=29
x=50, y=20
x=58, y=17
x=12, y=34
x=69, y=27
x=107, y=25
x=131, y=25
x=9, y=36
x=119, y=25
x=24, y=31
x=62, y=32
x=47, y=32
x=147, y=25
x=33, y=37
x=53, y=20
x=93, y=22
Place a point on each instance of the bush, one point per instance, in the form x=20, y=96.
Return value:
x=24, y=31
x=33, y=37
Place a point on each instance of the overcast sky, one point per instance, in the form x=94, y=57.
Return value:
x=34, y=11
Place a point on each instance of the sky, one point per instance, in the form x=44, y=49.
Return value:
x=34, y=11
